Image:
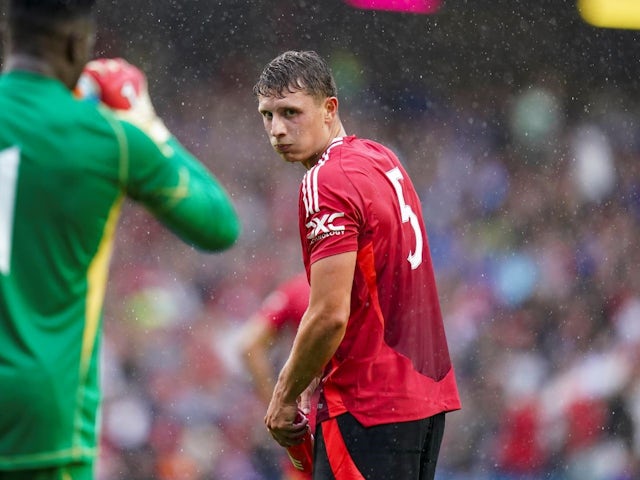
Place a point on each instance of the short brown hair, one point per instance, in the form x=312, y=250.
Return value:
x=296, y=70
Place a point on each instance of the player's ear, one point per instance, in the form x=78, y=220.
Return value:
x=330, y=108
x=79, y=41
x=71, y=48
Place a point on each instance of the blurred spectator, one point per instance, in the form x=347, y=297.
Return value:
x=266, y=340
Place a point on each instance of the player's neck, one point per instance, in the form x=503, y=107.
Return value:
x=28, y=63
x=337, y=132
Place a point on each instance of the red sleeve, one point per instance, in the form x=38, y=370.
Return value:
x=331, y=211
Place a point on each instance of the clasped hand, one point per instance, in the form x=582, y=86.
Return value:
x=286, y=423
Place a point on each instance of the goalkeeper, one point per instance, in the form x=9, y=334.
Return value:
x=65, y=167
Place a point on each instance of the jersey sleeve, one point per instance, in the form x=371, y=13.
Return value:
x=178, y=190
x=332, y=211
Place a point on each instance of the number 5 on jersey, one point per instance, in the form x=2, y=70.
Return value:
x=407, y=215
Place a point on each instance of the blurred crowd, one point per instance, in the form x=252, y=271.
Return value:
x=532, y=203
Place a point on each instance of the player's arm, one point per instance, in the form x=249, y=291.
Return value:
x=156, y=169
x=257, y=339
x=321, y=330
x=181, y=193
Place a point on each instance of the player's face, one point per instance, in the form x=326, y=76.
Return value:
x=299, y=126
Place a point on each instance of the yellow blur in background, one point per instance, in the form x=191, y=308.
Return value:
x=624, y=14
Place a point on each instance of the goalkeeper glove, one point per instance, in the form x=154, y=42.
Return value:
x=122, y=87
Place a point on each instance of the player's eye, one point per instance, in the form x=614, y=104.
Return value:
x=267, y=115
x=290, y=112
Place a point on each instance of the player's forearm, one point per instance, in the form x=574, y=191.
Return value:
x=258, y=366
x=257, y=338
x=264, y=389
x=317, y=340
x=322, y=327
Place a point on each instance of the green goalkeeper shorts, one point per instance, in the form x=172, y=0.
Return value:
x=78, y=471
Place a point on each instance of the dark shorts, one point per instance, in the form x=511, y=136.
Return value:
x=345, y=450
x=80, y=471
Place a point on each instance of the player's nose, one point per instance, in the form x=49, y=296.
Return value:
x=278, y=127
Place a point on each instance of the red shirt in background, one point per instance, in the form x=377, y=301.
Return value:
x=287, y=303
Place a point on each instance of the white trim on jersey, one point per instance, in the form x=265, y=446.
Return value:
x=310, y=181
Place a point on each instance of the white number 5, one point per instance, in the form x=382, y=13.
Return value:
x=407, y=215
x=9, y=161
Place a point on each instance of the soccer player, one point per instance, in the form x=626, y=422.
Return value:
x=65, y=167
x=373, y=328
x=279, y=315
x=280, y=312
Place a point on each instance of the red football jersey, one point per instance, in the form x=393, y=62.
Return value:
x=287, y=303
x=393, y=364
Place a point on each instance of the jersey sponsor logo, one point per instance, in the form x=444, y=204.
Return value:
x=322, y=226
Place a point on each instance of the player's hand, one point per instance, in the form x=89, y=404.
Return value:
x=285, y=423
x=122, y=87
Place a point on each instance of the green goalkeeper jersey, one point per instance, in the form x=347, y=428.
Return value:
x=65, y=167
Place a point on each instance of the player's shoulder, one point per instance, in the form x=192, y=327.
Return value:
x=338, y=173
x=353, y=149
x=117, y=137
x=365, y=147
x=359, y=145
x=123, y=131
x=94, y=115
x=349, y=156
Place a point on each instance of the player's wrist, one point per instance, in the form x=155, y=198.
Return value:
x=152, y=125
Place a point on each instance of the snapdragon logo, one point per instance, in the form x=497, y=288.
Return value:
x=322, y=226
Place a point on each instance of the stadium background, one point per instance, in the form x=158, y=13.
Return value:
x=519, y=125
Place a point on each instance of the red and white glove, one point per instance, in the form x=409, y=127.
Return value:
x=122, y=87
